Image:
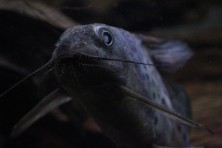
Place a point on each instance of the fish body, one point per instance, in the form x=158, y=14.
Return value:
x=86, y=74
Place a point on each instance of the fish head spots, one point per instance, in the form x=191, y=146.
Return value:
x=163, y=101
x=147, y=76
x=156, y=120
x=184, y=136
x=134, y=50
x=144, y=91
x=143, y=76
x=179, y=128
x=186, y=139
x=152, y=83
x=136, y=66
x=153, y=95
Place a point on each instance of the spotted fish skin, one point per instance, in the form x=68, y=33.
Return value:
x=127, y=122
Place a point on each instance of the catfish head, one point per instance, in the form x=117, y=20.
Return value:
x=113, y=74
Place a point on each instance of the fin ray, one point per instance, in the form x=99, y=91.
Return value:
x=51, y=101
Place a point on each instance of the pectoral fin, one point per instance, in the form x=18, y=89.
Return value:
x=171, y=54
x=163, y=110
x=50, y=102
x=168, y=54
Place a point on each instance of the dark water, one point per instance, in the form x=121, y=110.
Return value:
x=29, y=30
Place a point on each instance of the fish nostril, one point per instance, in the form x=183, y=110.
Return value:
x=63, y=47
x=60, y=50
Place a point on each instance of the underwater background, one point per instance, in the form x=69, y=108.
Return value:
x=29, y=30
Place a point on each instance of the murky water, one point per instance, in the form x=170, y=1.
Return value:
x=30, y=29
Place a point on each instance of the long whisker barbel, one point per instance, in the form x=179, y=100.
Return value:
x=47, y=65
x=51, y=62
x=110, y=59
x=43, y=78
x=93, y=65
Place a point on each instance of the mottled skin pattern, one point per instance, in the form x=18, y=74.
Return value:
x=128, y=123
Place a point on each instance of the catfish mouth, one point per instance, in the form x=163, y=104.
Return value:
x=85, y=70
x=77, y=59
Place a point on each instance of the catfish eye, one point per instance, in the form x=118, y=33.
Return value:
x=104, y=35
x=107, y=38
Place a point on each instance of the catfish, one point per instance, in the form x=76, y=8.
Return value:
x=114, y=76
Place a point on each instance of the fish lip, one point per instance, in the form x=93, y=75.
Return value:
x=87, y=67
x=84, y=59
x=76, y=58
x=71, y=56
x=87, y=64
